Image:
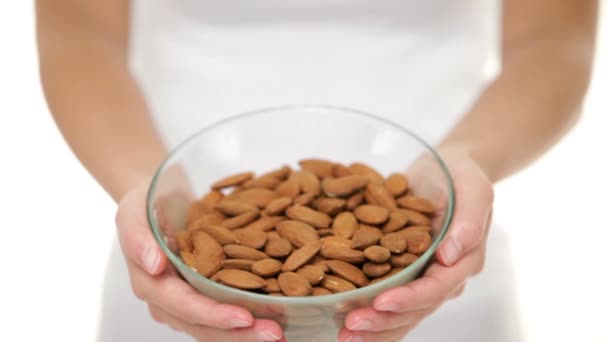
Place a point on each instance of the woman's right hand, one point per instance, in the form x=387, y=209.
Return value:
x=171, y=300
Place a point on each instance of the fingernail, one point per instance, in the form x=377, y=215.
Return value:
x=239, y=323
x=451, y=250
x=266, y=335
x=360, y=325
x=151, y=258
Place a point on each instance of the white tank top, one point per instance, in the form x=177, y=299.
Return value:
x=418, y=63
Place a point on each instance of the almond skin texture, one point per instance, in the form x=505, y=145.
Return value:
x=366, y=236
x=278, y=248
x=403, y=260
x=183, y=238
x=341, y=170
x=257, y=197
x=241, y=220
x=312, y=273
x=371, y=214
x=301, y=256
x=374, y=270
x=208, y=252
x=266, y=267
x=345, y=225
x=354, y=201
x=308, y=182
x=396, y=184
x=232, y=180
x=297, y=233
x=320, y=291
x=281, y=173
x=266, y=182
x=419, y=243
x=251, y=238
x=320, y=167
x=416, y=203
x=344, y=186
x=278, y=205
x=241, y=279
x=244, y=252
x=366, y=170
x=416, y=218
x=394, y=242
x=235, y=208
x=343, y=253
x=337, y=284
x=305, y=214
x=377, y=254
x=294, y=285
x=272, y=285
x=337, y=240
x=329, y=206
x=381, y=197
x=348, y=272
x=220, y=234
x=304, y=199
x=289, y=189
x=213, y=218
x=396, y=221
x=265, y=223
x=239, y=264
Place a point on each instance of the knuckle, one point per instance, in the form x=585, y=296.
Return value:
x=138, y=291
x=156, y=314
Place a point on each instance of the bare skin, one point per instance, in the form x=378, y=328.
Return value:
x=547, y=56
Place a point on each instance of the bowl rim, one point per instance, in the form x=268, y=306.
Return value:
x=304, y=300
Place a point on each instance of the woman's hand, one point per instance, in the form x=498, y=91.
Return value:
x=461, y=255
x=171, y=300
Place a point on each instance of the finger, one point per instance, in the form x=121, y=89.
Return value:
x=436, y=285
x=177, y=297
x=261, y=330
x=474, y=197
x=369, y=319
x=136, y=240
x=392, y=335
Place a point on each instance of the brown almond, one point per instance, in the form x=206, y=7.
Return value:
x=301, y=256
x=419, y=243
x=241, y=279
x=345, y=225
x=294, y=285
x=183, y=238
x=289, y=189
x=396, y=184
x=394, y=242
x=244, y=252
x=273, y=235
x=189, y=259
x=308, y=182
x=381, y=197
x=232, y=180
x=371, y=214
x=375, y=270
x=320, y=167
x=266, y=267
x=354, y=200
x=349, y=272
x=344, y=186
x=324, y=232
x=320, y=291
x=337, y=240
x=343, y=253
x=220, y=234
x=312, y=273
x=241, y=220
x=258, y=197
x=304, y=199
x=403, y=260
x=416, y=203
x=308, y=215
x=396, y=221
x=297, y=233
x=213, y=218
x=416, y=218
x=341, y=170
x=265, y=223
x=278, y=248
x=377, y=254
x=265, y=182
x=239, y=264
x=366, y=170
x=319, y=261
x=337, y=284
x=251, y=238
x=235, y=208
x=209, y=253
x=329, y=206
x=366, y=236
x=389, y=274
x=203, y=205
x=414, y=230
x=281, y=173
x=272, y=285
x=278, y=205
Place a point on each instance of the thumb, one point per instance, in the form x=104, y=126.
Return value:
x=136, y=240
x=474, y=197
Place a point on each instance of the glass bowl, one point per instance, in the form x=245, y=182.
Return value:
x=266, y=139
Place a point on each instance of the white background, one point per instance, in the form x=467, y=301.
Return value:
x=57, y=224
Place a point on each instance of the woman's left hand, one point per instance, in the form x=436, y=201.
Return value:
x=461, y=255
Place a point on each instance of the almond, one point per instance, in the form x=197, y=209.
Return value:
x=329, y=206
x=337, y=284
x=289, y=189
x=294, y=285
x=258, y=197
x=272, y=285
x=301, y=256
x=183, y=238
x=340, y=170
x=343, y=186
x=281, y=173
x=396, y=221
x=416, y=218
x=354, y=200
x=394, y=242
x=266, y=267
x=235, y=208
x=265, y=223
x=413, y=230
x=419, y=243
x=375, y=270
x=320, y=291
x=244, y=252
x=241, y=279
x=380, y=196
x=371, y=214
x=307, y=215
x=337, y=240
x=241, y=220
x=320, y=167
x=265, y=182
x=389, y=274
x=348, y=272
x=366, y=236
x=220, y=234
x=251, y=238
x=416, y=203
x=367, y=171
x=319, y=261
x=324, y=232
x=377, y=254
x=189, y=259
x=312, y=273
x=278, y=248
x=297, y=233
x=345, y=225
x=396, y=184
x=308, y=182
x=304, y=199
x=343, y=253
x=403, y=260
x=239, y=264
x=278, y=205
x=208, y=252
x=232, y=180
x=213, y=218
x=273, y=235
x=204, y=205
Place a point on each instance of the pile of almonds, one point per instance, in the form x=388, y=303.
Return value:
x=324, y=229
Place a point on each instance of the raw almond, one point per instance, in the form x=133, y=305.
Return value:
x=389, y=274
x=189, y=259
x=320, y=167
x=264, y=223
x=239, y=264
x=244, y=252
x=272, y=285
x=375, y=270
x=241, y=220
x=212, y=218
x=304, y=199
x=396, y=184
x=337, y=240
x=418, y=244
x=377, y=254
x=258, y=197
x=234, y=207
x=278, y=248
x=307, y=215
x=320, y=261
x=289, y=189
x=371, y=214
x=324, y=232
x=413, y=230
x=312, y=273
x=204, y=205
x=294, y=285
x=232, y=180
x=348, y=271
x=209, y=253
x=278, y=205
x=343, y=186
x=366, y=236
x=281, y=173
x=308, y=182
x=354, y=200
x=184, y=240
x=273, y=235
x=337, y=284
x=340, y=170
x=220, y=234
x=416, y=203
x=266, y=182
x=366, y=170
x=345, y=225
x=320, y=291
x=343, y=253
x=251, y=238
x=301, y=256
x=266, y=267
x=403, y=260
x=416, y=218
x=394, y=242
x=396, y=221
x=380, y=196
x=329, y=206
x=241, y=279
x=297, y=233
